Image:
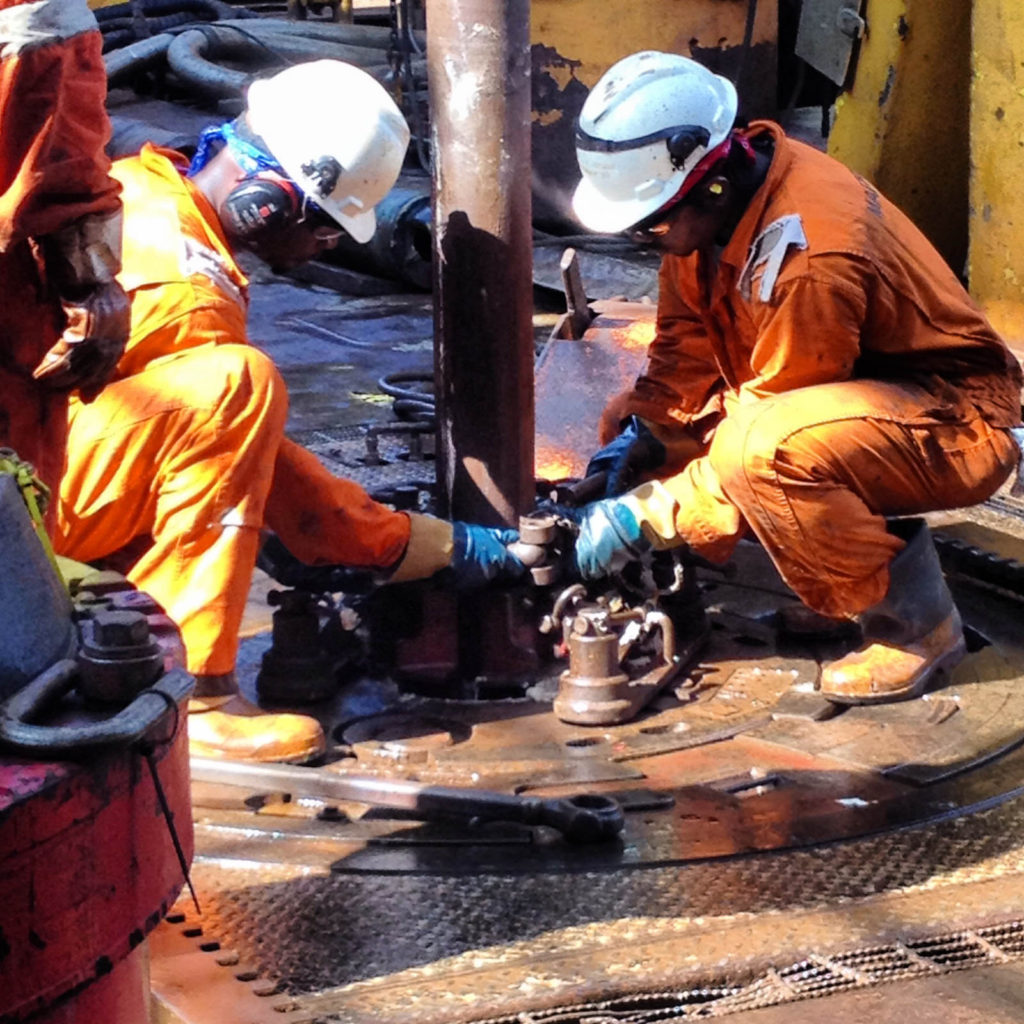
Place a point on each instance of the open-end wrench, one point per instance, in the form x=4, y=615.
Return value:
x=586, y=818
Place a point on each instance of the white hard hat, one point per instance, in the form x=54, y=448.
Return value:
x=646, y=125
x=338, y=135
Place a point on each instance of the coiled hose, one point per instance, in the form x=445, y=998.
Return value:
x=414, y=403
x=198, y=54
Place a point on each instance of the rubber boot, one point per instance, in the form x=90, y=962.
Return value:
x=223, y=724
x=910, y=636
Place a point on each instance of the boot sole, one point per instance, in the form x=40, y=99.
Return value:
x=940, y=666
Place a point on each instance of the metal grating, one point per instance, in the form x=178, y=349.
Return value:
x=317, y=932
x=806, y=979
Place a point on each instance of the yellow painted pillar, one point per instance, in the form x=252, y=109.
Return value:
x=903, y=124
x=996, y=263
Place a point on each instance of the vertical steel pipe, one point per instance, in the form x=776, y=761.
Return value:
x=479, y=80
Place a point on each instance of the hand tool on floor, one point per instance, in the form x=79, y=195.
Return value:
x=585, y=818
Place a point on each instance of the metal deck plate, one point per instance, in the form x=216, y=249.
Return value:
x=743, y=800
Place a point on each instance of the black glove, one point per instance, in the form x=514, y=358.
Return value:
x=636, y=450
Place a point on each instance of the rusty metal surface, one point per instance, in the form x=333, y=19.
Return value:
x=479, y=76
x=576, y=378
x=474, y=944
x=732, y=872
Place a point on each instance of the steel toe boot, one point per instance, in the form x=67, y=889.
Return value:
x=910, y=636
x=226, y=725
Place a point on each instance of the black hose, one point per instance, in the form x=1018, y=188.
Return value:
x=187, y=56
x=414, y=410
x=391, y=383
x=194, y=56
x=137, y=57
x=122, y=32
x=214, y=9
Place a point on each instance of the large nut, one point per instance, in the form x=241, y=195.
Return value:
x=120, y=629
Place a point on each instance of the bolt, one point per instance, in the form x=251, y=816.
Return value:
x=120, y=629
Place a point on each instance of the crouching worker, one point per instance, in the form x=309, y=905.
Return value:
x=817, y=370
x=182, y=460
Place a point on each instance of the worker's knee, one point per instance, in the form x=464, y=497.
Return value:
x=242, y=383
x=758, y=446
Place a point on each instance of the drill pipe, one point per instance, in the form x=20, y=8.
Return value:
x=478, y=63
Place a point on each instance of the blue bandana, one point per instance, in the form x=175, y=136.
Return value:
x=252, y=159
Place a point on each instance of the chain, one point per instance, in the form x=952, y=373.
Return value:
x=401, y=49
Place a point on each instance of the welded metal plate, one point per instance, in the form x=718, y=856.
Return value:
x=574, y=380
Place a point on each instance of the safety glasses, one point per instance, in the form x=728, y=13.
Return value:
x=650, y=234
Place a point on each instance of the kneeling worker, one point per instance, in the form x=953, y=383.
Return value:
x=817, y=368
x=182, y=459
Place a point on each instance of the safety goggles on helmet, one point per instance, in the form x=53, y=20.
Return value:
x=644, y=134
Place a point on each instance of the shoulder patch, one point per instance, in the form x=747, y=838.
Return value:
x=768, y=251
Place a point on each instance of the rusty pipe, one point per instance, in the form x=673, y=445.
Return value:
x=478, y=57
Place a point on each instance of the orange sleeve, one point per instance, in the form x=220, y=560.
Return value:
x=325, y=519
x=682, y=382
x=809, y=332
x=53, y=124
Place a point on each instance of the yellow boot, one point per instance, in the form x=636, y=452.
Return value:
x=911, y=636
x=229, y=727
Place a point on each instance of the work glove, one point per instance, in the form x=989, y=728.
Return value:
x=634, y=451
x=475, y=555
x=481, y=555
x=81, y=261
x=616, y=531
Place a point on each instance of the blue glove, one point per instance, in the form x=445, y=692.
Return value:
x=481, y=555
x=635, y=450
x=610, y=538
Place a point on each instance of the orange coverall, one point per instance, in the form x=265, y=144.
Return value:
x=834, y=371
x=53, y=171
x=185, y=449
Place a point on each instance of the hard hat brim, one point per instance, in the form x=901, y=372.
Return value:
x=597, y=212
x=361, y=227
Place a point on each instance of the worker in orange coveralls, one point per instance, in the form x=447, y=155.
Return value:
x=63, y=316
x=185, y=450
x=817, y=368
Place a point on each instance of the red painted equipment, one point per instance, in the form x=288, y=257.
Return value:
x=87, y=861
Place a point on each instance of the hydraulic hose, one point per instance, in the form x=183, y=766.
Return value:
x=128, y=61
x=213, y=9
x=376, y=37
x=194, y=56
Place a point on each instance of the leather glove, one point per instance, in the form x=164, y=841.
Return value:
x=475, y=555
x=635, y=450
x=81, y=261
x=617, y=531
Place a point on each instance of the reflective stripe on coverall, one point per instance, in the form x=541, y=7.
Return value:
x=186, y=446
x=53, y=171
x=835, y=371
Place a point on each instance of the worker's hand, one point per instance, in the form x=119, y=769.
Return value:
x=473, y=555
x=610, y=538
x=82, y=260
x=93, y=341
x=480, y=555
x=635, y=450
x=617, y=531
